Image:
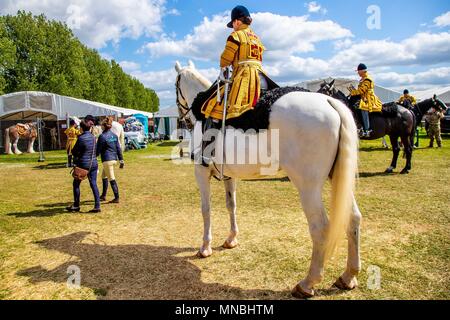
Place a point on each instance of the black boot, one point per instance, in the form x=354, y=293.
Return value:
x=115, y=189
x=104, y=190
x=209, y=125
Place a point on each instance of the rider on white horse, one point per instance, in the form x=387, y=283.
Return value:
x=244, y=52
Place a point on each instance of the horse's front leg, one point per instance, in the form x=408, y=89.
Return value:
x=31, y=145
x=230, y=189
x=16, y=148
x=203, y=176
x=396, y=151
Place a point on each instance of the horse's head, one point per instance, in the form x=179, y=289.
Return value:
x=328, y=89
x=438, y=103
x=188, y=85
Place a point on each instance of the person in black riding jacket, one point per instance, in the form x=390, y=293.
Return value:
x=84, y=153
x=108, y=147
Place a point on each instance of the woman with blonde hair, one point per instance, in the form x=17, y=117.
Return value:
x=108, y=147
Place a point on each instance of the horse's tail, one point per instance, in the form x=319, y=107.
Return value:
x=7, y=141
x=343, y=178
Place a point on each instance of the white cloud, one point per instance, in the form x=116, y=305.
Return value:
x=174, y=12
x=98, y=22
x=314, y=7
x=281, y=35
x=130, y=66
x=421, y=49
x=443, y=20
x=432, y=77
x=163, y=82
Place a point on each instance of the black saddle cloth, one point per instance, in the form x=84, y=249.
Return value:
x=390, y=110
x=257, y=118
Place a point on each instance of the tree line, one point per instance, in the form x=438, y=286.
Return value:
x=37, y=54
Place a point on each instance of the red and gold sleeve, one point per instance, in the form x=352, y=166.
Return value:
x=229, y=53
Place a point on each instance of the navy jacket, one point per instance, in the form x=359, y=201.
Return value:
x=108, y=147
x=84, y=151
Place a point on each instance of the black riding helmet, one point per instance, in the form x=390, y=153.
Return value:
x=237, y=13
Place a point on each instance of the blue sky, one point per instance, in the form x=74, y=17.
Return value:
x=304, y=39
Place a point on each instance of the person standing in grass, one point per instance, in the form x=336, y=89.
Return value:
x=434, y=117
x=72, y=134
x=84, y=153
x=108, y=147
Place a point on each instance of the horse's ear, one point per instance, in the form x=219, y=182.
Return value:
x=434, y=97
x=191, y=64
x=178, y=67
x=332, y=83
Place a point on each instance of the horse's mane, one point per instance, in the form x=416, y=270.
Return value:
x=192, y=74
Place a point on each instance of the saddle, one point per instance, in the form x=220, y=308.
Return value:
x=254, y=119
x=23, y=129
x=390, y=110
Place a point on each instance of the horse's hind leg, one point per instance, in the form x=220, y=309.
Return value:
x=348, y=280
x=318, y=223
x=408, y=151
x=230, y=189
x=396, y=151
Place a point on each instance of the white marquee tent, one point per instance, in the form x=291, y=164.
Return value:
x=30, y=105
x=385, y=95
x=442, y=94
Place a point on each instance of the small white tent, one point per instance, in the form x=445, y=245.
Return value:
x=166, y=121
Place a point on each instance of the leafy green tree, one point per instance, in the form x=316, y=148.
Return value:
x=41, y=54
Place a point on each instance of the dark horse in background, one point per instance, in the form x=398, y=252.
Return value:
x=395, y=121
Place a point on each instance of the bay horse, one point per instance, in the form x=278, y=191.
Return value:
x=317, y=141
x=395, y=121
x=15, y=133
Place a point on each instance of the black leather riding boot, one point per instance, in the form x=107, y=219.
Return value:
x=115, y=189
x=209, y=125
x=104, y=189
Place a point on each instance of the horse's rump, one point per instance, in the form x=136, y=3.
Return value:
x=255, y=119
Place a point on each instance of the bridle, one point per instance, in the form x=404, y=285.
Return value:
x=180, y=104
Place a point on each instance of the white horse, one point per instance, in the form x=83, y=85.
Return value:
x=317, y=141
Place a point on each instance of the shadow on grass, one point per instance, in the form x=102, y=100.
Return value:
x=47, y=210
x=51, y=166
x=168, y=144
x=373, y=149
x=375, y=174
x=284, y=179
x=137, y=272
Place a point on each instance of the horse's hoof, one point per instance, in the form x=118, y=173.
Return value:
x=299, y=293
x=230, y=244
x=404, y=172
x=341, y=285
x=203, y=254
x=389, y=170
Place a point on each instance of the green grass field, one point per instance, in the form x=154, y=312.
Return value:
x=145, y=247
